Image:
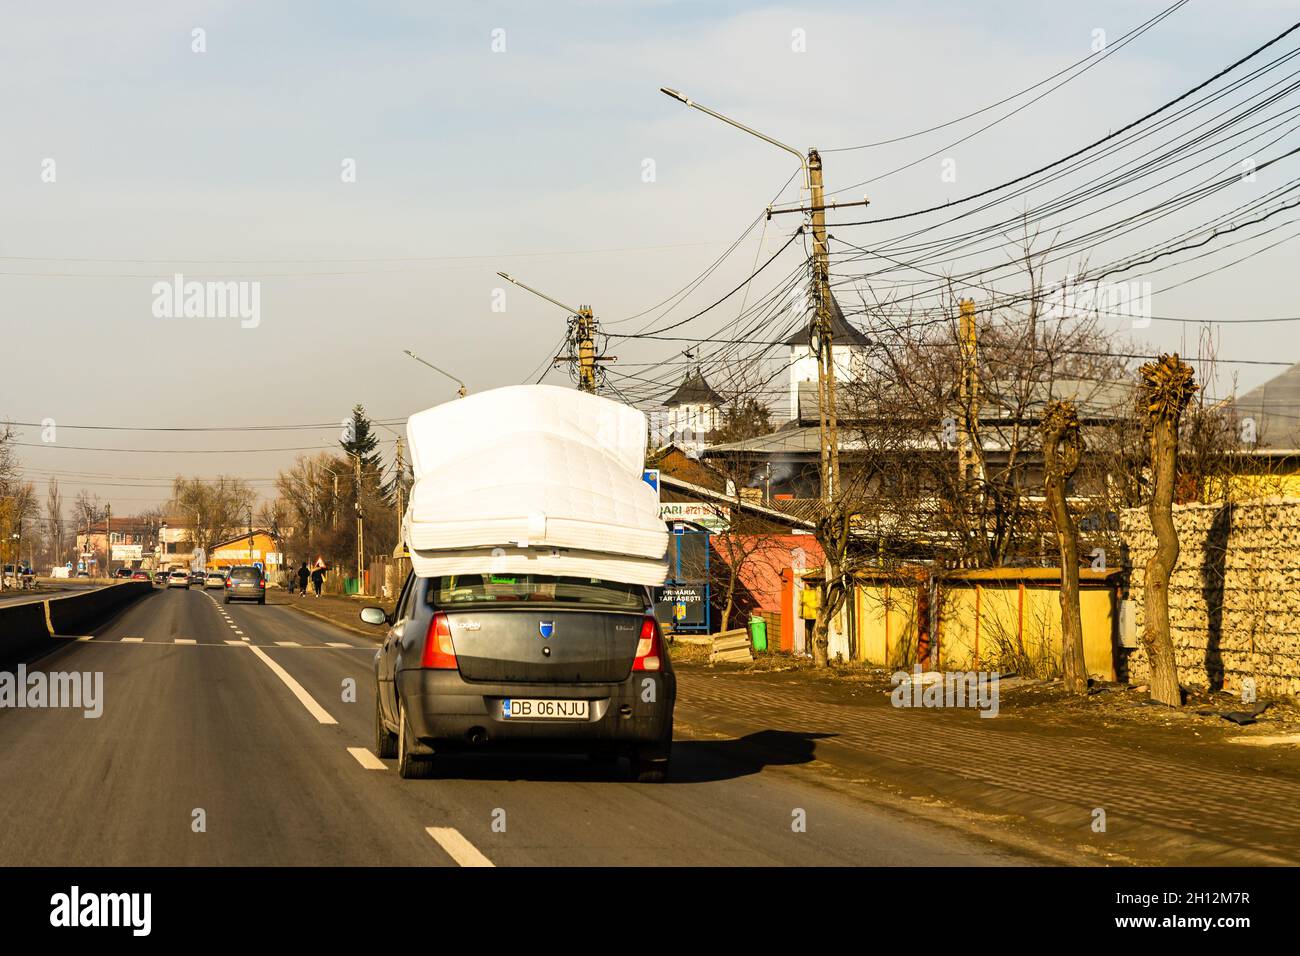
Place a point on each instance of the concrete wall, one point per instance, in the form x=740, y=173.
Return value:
x=26, y=628
x=1234, y=598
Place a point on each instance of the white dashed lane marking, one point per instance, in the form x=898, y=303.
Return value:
x=366, y=758
x=457, y=847
x=304, y=698
x=185, y=640
x=288, y=644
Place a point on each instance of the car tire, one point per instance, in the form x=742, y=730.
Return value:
x=385, y=739
x=261, y=600
x=647, y=769
x=410, y=766
x=227, y=601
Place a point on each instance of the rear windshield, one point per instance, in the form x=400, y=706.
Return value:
x=245, y=574
x=480, y=589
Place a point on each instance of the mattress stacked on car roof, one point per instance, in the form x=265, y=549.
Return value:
x=533, y=479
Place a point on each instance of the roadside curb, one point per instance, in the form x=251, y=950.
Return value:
x=329, y=620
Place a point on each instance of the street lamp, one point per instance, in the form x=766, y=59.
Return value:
x=682, y=98
x=463, y=389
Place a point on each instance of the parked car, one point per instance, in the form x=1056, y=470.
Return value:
x=245, y=583
x=122, y=573
x=160, y=576
x=215, y=579
x=523, y=660
x=83, y=574
x=178, y=578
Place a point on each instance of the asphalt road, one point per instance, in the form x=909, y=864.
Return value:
x=236, y=716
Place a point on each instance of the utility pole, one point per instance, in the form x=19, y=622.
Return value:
x=823, y=336
x=108, y=541
x=969, y=458
x=583, y=329
x=361, y=534
x=400, y=468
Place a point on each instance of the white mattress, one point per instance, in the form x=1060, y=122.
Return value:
x=533, y=467
x=562, y=563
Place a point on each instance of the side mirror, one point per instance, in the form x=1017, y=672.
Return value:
x=374, y=615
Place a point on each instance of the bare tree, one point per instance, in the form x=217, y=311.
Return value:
x=1167, y=385
x=1062, y=450
x=54, y=521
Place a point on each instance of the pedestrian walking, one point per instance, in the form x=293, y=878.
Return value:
x=317, y=579
x=303, y=574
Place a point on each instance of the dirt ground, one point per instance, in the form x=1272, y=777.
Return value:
x=1118, y=709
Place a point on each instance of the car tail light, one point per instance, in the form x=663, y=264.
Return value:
x=263, y=583
x=647, y=648
x=439, y=653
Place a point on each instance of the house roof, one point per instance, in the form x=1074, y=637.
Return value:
x=1275, y=407
x=842, y=332
x=693, y=390
x=1096, y=400
x=779, y=515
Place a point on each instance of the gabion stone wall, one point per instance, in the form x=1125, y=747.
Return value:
x=1234, y=597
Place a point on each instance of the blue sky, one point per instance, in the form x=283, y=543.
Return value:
x=530, y=160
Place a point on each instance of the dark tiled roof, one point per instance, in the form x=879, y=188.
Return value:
x=693, y=390
x=841, y=331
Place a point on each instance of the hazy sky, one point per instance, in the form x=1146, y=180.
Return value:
x=227, y=164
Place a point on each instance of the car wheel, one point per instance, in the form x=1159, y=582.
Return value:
x=261, y=600
x=648, y=769
x=385, y=739
x=227, y=601
x=410, y=766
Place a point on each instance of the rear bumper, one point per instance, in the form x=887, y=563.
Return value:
x=448, y=712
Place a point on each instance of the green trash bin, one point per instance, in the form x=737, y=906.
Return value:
x=758, y=632
x=350, y=586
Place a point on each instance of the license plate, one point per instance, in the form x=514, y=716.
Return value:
x=530, y=708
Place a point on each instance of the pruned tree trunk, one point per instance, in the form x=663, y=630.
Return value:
x=1167, y=386
x=1062, y=449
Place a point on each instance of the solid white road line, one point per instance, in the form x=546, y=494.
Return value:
x=304, y=698
x=185, y=640
x=457, y=847
x=366, y=758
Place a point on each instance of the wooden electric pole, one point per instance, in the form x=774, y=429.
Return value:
x=969, y=451
x=583, y=329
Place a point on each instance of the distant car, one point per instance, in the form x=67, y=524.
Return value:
x=198, y=577
x=122, y=573
x=178, y=578
x=524, y=660
x=139, y=575
x=83, y=574
x=215, y=579
x=160, y=576
x=245, y=583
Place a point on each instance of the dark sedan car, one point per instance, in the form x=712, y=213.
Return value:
x=246, y=583
x=523, y=662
